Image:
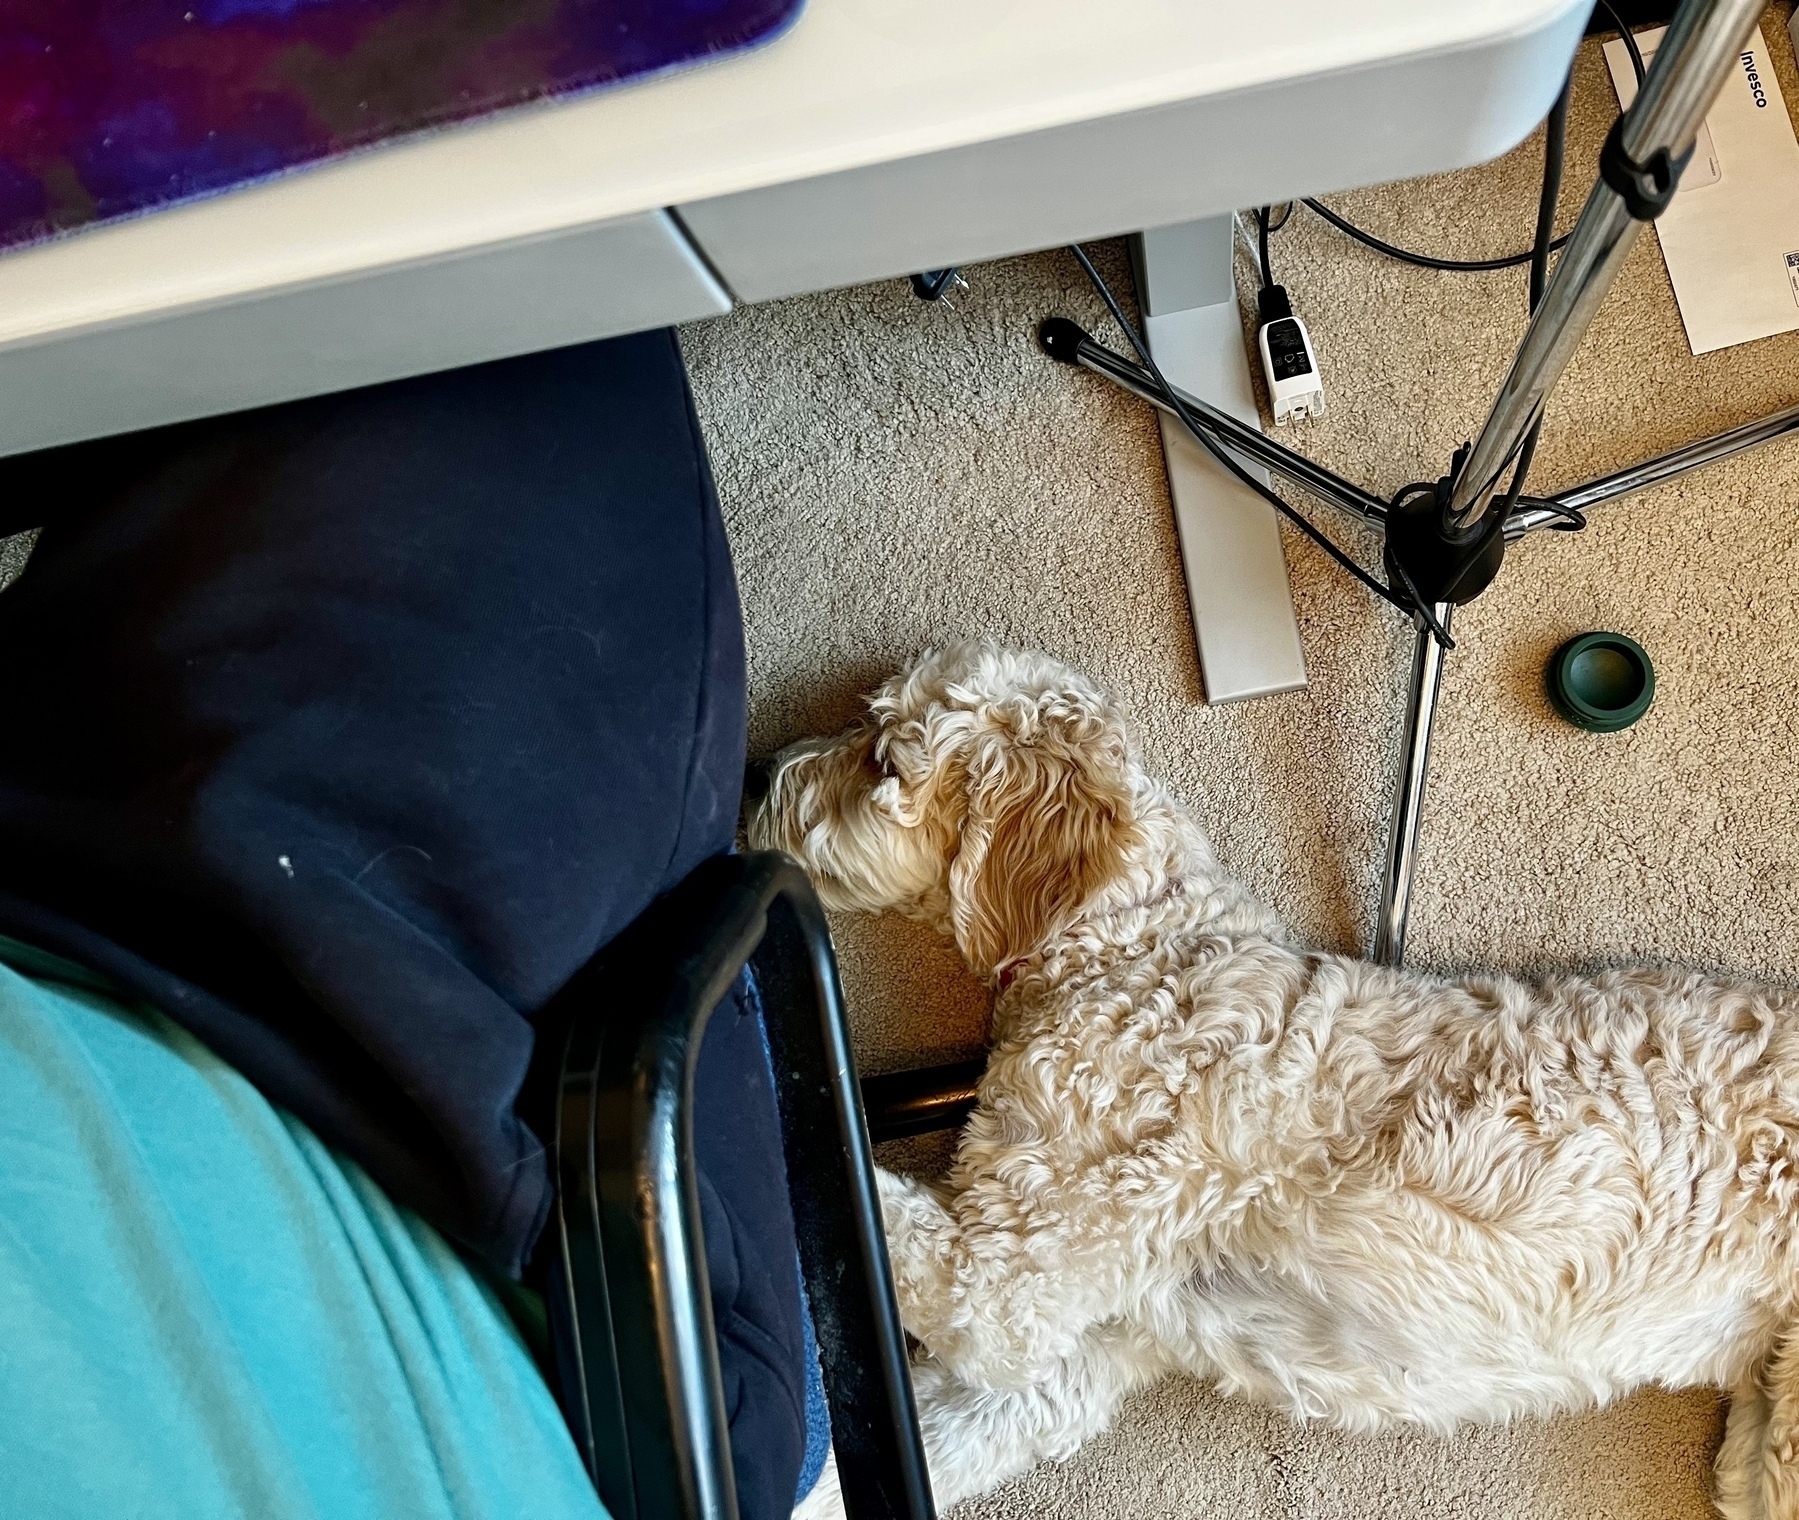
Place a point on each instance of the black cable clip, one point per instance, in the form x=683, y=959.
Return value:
x=1647, y=187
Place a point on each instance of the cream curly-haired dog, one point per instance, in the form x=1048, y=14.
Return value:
x=1361, y=1194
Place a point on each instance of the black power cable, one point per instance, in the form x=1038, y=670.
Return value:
x=1425, y=260
x=1470, y=266
x=1266, y=225
x=1630, y=42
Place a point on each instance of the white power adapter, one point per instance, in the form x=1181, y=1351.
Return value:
x=1295, y=390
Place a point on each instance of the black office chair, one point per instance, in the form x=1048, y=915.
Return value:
x=628, y=1285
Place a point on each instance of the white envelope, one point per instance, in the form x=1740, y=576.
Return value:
x=1730, y=236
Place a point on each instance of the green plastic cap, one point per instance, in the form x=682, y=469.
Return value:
x=1601, y=682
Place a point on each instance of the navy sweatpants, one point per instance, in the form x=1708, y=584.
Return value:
x=346, y=731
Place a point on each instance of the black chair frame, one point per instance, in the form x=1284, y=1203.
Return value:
x=627, y=1219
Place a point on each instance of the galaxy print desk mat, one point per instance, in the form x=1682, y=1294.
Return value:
x=109, y=108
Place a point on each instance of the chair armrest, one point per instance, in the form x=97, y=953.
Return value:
x=628, y=1283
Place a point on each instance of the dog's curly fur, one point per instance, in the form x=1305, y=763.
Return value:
x=1361, y=1194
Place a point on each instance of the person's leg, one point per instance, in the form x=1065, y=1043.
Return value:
x=145, y=1372
x=346, y=731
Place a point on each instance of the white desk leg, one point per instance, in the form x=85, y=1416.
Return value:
x=1230, y=540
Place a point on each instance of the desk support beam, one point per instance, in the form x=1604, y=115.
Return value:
x=1236, y=571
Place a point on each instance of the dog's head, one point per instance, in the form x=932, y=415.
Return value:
x=989, y=791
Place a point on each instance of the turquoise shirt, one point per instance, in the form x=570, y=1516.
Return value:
x=206, y=1313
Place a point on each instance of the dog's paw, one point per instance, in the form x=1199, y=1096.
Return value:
x=917, y=1225
x=919, y=1246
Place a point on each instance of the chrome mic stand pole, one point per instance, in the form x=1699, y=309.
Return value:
x=1446, y=546
x=1450, y=548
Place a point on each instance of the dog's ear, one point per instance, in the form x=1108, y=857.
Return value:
x=1049, y=823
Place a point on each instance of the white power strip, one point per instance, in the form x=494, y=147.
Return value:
x=1295, y=389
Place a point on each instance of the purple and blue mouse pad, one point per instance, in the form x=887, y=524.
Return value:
x=113, y=107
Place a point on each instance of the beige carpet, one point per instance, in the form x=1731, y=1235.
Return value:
x=896, y=474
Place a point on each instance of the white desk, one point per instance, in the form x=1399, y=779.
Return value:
x=876, y=137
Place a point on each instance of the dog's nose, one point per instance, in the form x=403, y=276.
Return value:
x=757, y=776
